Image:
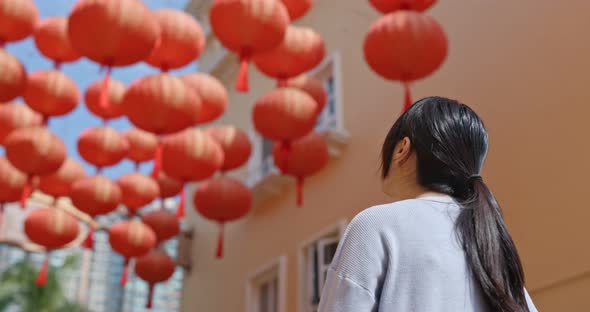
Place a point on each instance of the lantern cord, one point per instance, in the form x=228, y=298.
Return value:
x=157, y=161
x=300, y=191
x=104, y=91
x=57, y=65
x=220, y=242
x=89, y=241
x=162, y=203
x=137, y=166
x=150, y=297
x=45, y=121
x=181, y=203
x=125, y=272
x=42, y=275
x=408, y=96
x=281, y=82
x=242, y=84
x=27, y=190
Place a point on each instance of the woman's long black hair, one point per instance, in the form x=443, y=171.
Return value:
x=451, y=142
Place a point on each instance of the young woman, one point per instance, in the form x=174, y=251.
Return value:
x=442, y=245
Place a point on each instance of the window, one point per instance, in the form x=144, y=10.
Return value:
x=315, y=258
x=266, y=289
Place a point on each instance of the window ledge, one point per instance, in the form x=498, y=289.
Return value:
x=274, y=184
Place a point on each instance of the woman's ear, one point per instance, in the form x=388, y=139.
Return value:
x=402, y=151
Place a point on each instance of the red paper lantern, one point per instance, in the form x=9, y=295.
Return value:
x=138, y=191
x=13, y=78
x=405, y=46
x=113, y=32
x=35, y=151
x=17, y=20
x=15, y=116
x=51, y=93
x=161, y=104
x=191, y=155
x=142, y=145
x=312, y=86
x=181, y=40
x=301, y=50
x=114, y=96
x=248, y=27
x=51, y=39
x=95, y=195
x=169, y=187
x=52, y=228
x=131, y=239
x=12, y=182
x=389, y=6
x=102, y=146
x=307, y=156
x=213, y=95
x=297, y=8
x=285, y=114
x=155, y=267
x=164, y=223
x=222, y=199
x=59, y=183
x=235, y=144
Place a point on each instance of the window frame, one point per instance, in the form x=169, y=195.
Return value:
x=305, y=274
x=276, y=268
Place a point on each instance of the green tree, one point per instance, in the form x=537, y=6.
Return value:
x=18, y=288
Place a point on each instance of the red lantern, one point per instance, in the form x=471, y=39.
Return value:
x=15, y=116
x=35, y=152
x=51, y=39
x=13, y=78
x=285, y=114
x=142, y=145
x=307, y=156
x=95, y=195
x=301, y=50
x=52, y=228
x=248, y=27
x=155, y=267
x=181, y=40
x=222, y=199
x=17, y=20
x=115, y=92
x=389, y=6
x=12, y=182
x=312, y=86
x=405, y=46
x=164, y=223
x=51, y=93
x=191, y=155
x=113, y=32
x=213, y=95
x=131, y=239
x=169, y=187
x=138, y=191
x=235, y=144
x=297, y=8
x=102, y=146
x=161, y=104
x=59, y=183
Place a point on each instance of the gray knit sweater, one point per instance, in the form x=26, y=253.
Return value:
x=403, y=257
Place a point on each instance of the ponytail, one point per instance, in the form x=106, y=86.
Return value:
x=489, y=248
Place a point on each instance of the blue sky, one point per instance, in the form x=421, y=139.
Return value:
x=84, y=72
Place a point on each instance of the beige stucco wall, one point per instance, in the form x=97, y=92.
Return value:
x=522, y=65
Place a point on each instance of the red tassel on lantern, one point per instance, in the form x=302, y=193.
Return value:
x=42, y=275
x=219, y=253
x=242, y=84
x=27, y=191
x=157, y=161
x=150, y=296
x=181, y=203
x=125, y=273
x=408, y=96
x=89, y=241
x=104, y=90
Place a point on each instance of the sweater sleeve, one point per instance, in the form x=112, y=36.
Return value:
x=355, y=278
